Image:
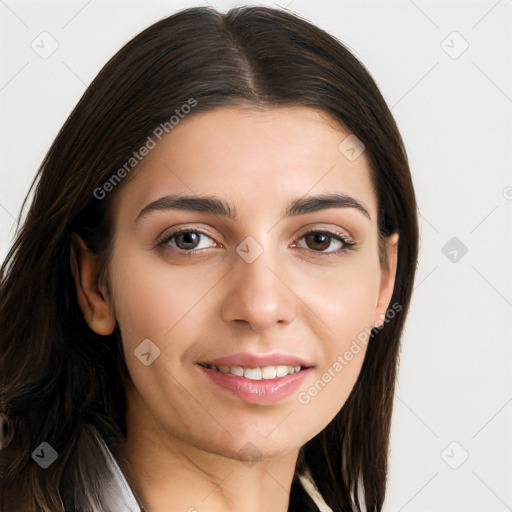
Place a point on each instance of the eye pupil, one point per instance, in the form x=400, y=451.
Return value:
x=318, y=241
x=187, y=239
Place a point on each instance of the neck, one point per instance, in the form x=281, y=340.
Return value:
x=167, y=473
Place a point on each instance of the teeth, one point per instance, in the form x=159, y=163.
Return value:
x=258, y=373
x=269, y=372
x=252, y=373
x=235, y=370
x=281, y=371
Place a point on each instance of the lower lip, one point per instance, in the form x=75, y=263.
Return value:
x=257, y=391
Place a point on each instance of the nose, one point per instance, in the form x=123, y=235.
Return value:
x=259, y=295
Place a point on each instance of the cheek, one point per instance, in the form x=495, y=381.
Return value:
x=147, y=298
x=346, y=297
x=345, y=301
x=157, y=302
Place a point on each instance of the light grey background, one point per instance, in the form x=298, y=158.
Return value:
x=454, y=108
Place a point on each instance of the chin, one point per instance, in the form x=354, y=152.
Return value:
x=251, y=449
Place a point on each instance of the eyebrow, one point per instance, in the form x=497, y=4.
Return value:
x=219, y=207
x=309, y=204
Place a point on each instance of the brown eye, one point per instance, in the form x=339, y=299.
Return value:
x=318, y=241
x=325, y=242
x=187, y=240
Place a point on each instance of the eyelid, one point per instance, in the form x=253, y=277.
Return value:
x=315, y=228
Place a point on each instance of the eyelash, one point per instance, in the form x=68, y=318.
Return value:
x=348, y=245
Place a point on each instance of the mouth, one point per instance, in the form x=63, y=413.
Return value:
x=270, y=372
x=254, y=379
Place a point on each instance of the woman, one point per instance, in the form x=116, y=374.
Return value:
x=203, y=308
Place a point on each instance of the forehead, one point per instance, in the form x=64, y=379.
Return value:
x=256, y=159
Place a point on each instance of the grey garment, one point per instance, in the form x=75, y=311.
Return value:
x=112, y=493
x=107, y=489
x=119, y=493
x=309, y=486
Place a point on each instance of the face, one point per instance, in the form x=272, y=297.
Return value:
x=253, y=291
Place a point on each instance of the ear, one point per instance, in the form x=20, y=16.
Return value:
x=387, y=282
x=92, y=295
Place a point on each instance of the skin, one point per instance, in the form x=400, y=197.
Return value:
x=184, y=434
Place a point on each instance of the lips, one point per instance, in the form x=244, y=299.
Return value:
x=257, y=378
x=253, y=360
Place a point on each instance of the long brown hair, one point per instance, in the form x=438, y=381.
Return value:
x=56, y=375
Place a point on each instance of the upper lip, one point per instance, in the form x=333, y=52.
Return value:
x=253, y=360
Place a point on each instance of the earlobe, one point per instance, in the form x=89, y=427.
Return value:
x=388, y=275
x=92, y=297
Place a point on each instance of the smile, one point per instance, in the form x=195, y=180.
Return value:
x=257, y=373
x=256, y=385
